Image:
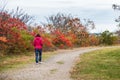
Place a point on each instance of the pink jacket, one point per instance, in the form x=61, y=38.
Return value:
x=38, y=43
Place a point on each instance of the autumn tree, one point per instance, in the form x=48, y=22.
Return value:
x=67, y=23
x=10, y=28
x=14, y=36
x=58, y=21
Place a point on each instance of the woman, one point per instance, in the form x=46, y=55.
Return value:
x=38, y=48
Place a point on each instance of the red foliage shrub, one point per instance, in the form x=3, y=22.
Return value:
x=10, y=28
x=61, y=40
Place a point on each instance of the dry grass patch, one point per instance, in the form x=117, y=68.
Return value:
x=19, y=61
x=60, y=62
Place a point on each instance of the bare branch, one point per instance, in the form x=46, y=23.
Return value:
x=3, y=4
x=116, y=7
x=20, y=14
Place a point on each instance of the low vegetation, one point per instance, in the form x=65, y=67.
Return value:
x=60, y=62
x=20, y=61
x=98, y=65
x=53, y=71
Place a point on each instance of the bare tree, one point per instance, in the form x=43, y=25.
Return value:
x=89, y=24
x=116, y=7
x=17, y=13
x=67, y=23
x=59, y=20
x=20, y=14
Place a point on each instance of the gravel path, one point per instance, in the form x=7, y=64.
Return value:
x=55, y=68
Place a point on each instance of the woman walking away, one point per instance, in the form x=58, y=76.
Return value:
x=38, y=48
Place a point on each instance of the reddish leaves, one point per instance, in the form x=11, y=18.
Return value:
x=61, y=40
x=10, y=29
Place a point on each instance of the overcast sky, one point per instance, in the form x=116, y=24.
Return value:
x=99, y=11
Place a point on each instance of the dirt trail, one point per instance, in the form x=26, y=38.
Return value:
x=55, y=68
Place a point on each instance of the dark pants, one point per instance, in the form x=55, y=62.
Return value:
x=38, y=55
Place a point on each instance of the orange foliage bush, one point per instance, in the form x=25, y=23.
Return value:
x=3, y=39
x=93, y=40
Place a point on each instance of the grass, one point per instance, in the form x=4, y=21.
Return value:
x=53, y=71
x=19, y=61
x=60, y=62
x=98, y=65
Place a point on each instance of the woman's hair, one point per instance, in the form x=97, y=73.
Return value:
x=37, y=35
